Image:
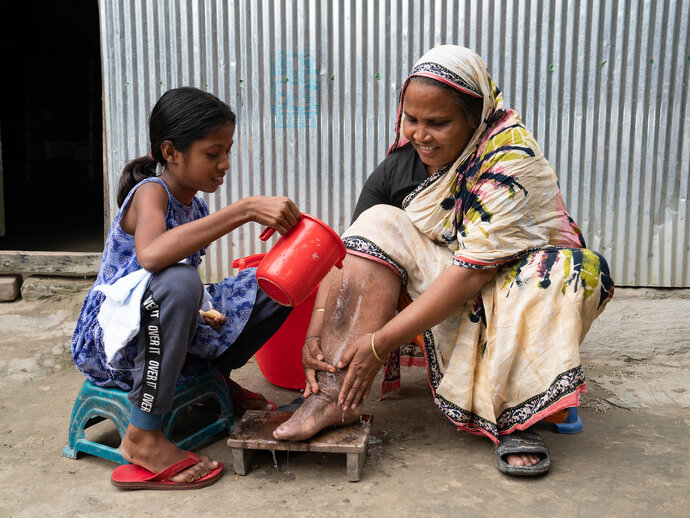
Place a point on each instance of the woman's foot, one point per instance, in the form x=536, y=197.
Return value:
x=151, y=450
x=316, y=413
x=523, y=459
x=522, y=453
x=244, y=399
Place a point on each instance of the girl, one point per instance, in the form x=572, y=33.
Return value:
x=148, y=280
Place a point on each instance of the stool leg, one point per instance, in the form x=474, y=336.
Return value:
x=240, y=460
x=209, y=385
x=355, y=463
x=93, y=401
x=76, y=427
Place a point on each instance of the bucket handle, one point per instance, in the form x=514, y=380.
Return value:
x=267, y=233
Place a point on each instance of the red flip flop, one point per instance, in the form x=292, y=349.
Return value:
x=131, y=476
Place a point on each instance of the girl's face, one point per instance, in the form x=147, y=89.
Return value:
x=203, y=166
x=434, y=124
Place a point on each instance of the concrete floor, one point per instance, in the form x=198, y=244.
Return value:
x=632, y=459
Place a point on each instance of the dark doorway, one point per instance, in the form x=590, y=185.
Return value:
x=51, y=126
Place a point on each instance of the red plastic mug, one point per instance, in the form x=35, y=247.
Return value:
x=299, y=260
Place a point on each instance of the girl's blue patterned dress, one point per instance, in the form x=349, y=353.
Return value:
x=234, y=297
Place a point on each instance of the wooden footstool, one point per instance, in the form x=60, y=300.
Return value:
x=255, y=432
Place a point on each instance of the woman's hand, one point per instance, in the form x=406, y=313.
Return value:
x=361, y=373
x=277, y=212
x=312, y=360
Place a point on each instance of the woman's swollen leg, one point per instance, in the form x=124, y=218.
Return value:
x=361, y=299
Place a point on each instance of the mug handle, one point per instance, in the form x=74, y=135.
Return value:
x=267, y=233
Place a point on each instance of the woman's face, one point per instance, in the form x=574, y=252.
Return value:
x=434, y=124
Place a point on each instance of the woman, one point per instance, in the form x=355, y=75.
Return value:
x=502, y=289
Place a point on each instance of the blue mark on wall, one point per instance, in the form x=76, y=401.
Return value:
x=296, y=99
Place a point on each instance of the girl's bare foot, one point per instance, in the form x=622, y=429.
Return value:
x=150, y=449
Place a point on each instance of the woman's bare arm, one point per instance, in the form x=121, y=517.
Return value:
x=451, y=290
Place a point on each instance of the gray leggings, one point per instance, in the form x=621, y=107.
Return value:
x=169, y=318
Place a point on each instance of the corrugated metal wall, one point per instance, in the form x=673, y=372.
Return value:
x=602, y=84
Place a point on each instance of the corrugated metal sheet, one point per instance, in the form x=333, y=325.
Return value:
x=602, y=84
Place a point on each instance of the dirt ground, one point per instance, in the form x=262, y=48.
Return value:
x=632, y=458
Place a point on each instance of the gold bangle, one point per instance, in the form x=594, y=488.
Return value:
x=318, y=309
x=373, y=349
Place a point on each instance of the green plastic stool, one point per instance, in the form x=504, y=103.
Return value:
x=94, y=403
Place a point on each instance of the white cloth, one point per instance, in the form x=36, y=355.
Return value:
x=120, y=313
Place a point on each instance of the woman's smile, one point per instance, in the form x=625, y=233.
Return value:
x=426, y=150
x=434, y=124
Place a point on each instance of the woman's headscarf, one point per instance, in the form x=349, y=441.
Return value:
x=500, y=198
x=464, y=70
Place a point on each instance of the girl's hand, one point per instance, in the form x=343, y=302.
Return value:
x=277, y=212
x=361, y=373
x=213, y=318
x=312, y=360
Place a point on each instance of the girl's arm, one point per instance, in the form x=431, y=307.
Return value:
x=452, y=289
x=158, y=248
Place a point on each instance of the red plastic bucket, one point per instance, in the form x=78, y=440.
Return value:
x=299, y=260
x=280, y=359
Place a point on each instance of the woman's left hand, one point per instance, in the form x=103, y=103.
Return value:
x=360, y=375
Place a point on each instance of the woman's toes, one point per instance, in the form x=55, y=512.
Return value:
x=530, y=459
x=523, y=459
x=512, y=460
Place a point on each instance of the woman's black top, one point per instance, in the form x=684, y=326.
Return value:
x=392, y=180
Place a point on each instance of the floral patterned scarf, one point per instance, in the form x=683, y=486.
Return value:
x=500, y=198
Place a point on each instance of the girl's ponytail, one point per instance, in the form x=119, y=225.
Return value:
x=133, y=173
